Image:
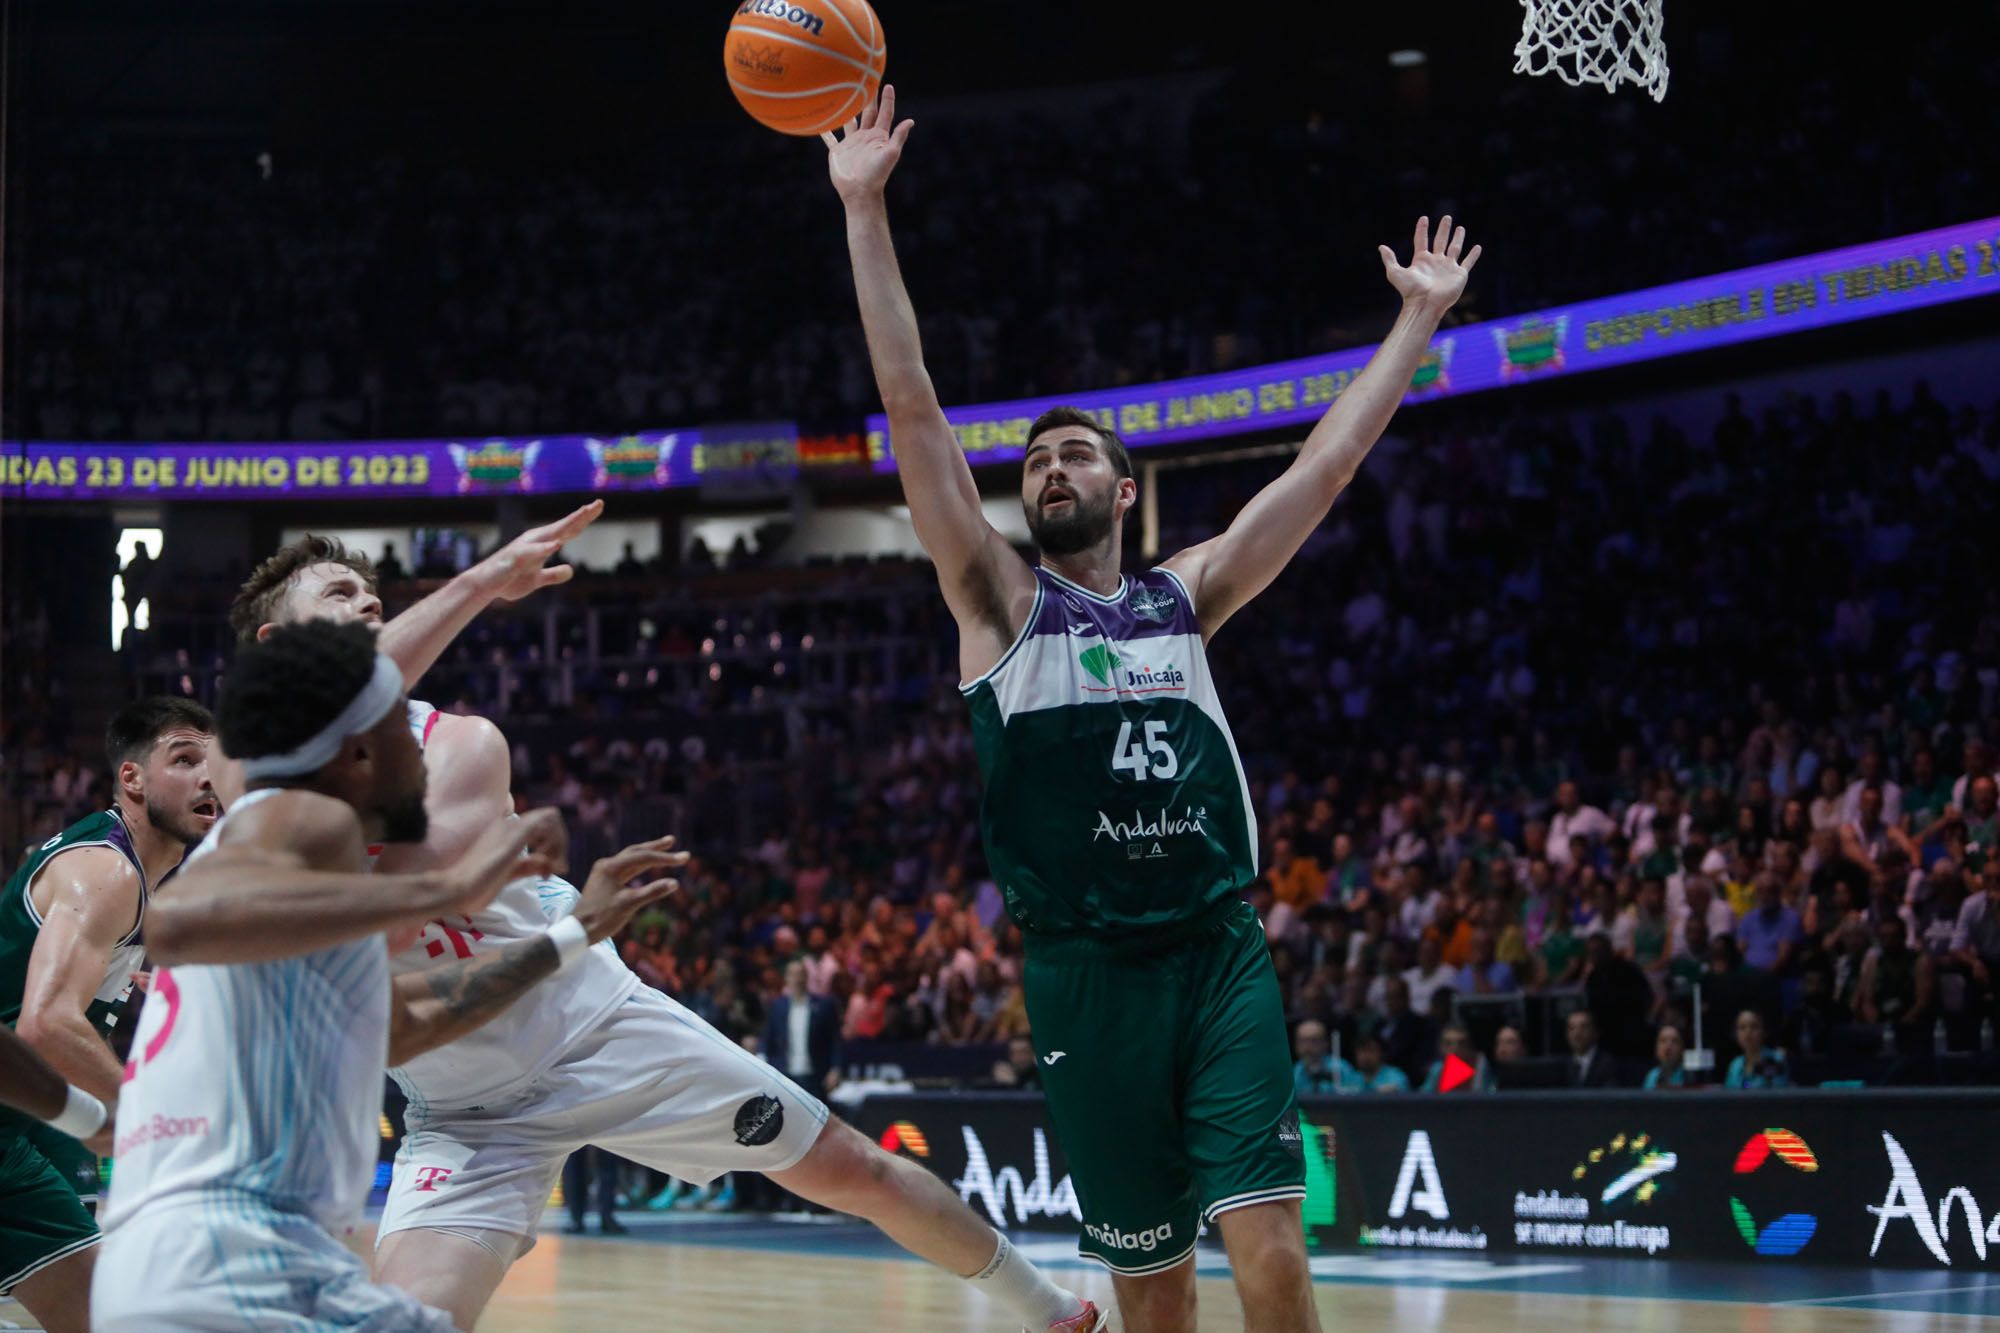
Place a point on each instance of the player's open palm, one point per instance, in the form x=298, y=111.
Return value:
x=861, y=158
x=535, y=845
x=1436, y=274
x=623, y=883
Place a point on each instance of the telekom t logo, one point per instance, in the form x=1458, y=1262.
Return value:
x=430, y=1177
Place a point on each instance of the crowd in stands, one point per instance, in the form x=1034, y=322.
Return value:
x=198, y=289
x=1576, y=747
x=1545, y=731
x=1551, y=725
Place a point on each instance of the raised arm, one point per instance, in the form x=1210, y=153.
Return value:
x=1225, y=572
x=89, y=900
x=987, y=585
x=295, y=882
x=441, y=1004
x=416, y=639
x=471, y=778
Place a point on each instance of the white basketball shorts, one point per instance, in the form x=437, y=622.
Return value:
x=228, y=1264
x=652, y=1083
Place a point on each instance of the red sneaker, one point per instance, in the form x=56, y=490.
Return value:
x=1091, y=1320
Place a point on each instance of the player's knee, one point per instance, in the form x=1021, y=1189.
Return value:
x=1161, y=1303
x=843, y=1171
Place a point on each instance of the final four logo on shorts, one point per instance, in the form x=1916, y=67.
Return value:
x=759, y=1121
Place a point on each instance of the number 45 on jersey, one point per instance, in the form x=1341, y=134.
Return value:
x=1151, y=757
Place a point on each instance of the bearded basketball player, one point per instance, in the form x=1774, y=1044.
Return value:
x=1116, y=815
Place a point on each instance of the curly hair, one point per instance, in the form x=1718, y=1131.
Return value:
x=257, y=601
x=137, y=727
x=282, y=690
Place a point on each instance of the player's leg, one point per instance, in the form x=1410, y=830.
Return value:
x=58, y=1296
x=845, y=1172
x=1107, y=1033
x=454, y=1271
x=1267, y=1254
x=48, y=1242
x=1241, y=1123
x=1158, y=1302
x=465, y=1200
x=707, y=1107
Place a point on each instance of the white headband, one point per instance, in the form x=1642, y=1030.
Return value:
x=367, y=708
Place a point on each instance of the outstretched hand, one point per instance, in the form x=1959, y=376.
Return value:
x=521, y=566
x=610, y=898
x=1435, y=276
x=861, y=158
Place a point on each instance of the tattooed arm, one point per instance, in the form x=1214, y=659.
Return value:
x=442, y=1004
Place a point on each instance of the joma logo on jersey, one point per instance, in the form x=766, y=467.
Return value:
x=430, y=1177
x=1162, y=825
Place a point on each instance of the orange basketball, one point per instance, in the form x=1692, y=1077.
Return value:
x=803, y=66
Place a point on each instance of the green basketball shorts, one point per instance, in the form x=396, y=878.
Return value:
x=1169, y=1082
x=42, y=1217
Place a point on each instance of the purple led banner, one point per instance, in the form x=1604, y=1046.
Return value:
x=715, y=456
x=379, y=470
x=1838, y=286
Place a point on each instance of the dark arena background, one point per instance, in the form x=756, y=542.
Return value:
x=1622, y=747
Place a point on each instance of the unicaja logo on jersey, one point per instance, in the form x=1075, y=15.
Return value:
x=1099, y=661
x=1147, y=1240
x=1166, y=678
x=430, y=1177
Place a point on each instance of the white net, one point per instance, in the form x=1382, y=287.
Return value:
x=1605, y=42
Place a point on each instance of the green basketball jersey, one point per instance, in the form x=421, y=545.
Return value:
x=1115, y=803
x=21, y=925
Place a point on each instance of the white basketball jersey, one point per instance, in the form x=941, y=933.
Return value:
x=262, y=1080
x=482, y=1068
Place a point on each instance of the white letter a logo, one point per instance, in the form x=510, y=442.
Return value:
x=1429, y=1196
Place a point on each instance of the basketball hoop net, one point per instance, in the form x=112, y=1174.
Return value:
x=1606, y=42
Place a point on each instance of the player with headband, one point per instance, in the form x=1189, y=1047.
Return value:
x=246, y=1134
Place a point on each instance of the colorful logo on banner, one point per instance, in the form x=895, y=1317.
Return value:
x=1791, y=1232
x=1434, y=371
x=1605, y=1203
x=630, y=459
x=1637, y=1166
x=1530, y=347
x=905, y=1137
x=495, y=465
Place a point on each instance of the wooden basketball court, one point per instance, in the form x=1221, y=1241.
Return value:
x=843, y=1279
x=640, y=1283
